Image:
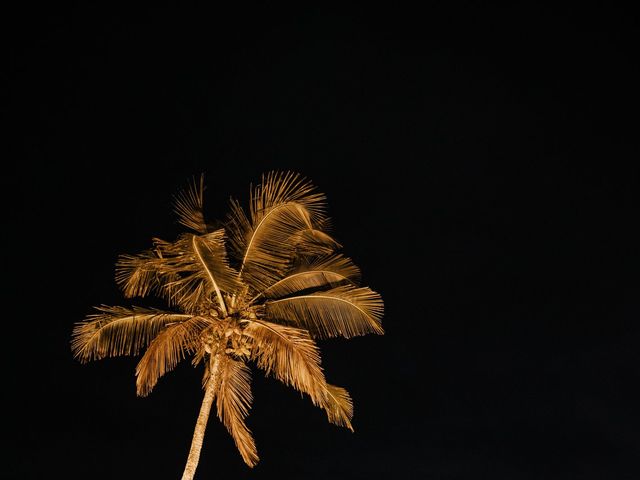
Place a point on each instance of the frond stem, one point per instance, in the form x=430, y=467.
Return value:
x=213, y=281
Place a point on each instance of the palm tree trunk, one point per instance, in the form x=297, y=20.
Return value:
x=201, y=423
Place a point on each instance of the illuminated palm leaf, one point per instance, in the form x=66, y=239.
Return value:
x=188, y=206
x=212, y=255
x=312, y=241
x=119, y=331
x=315, y=241
x=197, y=261
x=342, y=311
x=168, y=348
x=139, y=275
x=290, y=355
x=324, y=271
x=293, y=358
x=281, y=207
x=234, y=401
x=289, y=287
x=338, y=406
x=186, y=272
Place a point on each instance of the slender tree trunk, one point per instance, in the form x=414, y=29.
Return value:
x=201, y=424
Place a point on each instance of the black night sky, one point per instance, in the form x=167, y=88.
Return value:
x=481, y=167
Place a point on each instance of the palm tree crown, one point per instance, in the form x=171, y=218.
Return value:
x=282, y=286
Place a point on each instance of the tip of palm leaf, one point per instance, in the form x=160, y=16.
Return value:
x=251, y=459
x=346, y=424
x=142, y=391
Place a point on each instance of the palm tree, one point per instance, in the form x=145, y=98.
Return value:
x=283, y=286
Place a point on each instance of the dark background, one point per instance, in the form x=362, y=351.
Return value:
x=481, y=167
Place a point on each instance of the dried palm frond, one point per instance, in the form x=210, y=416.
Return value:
x=119, y=331
x=342, y=311
x=234, y=401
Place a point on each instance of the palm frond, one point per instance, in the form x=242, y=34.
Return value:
x=277, y=188
x=339, y=406
x=293, y=358
x=317, y=240
x=324, y=271
x=267, y=250
x=211, y=252
x=155, y=271
x=189, y=208
x=233, y=402
x=290, y=355
x=186, y=272
x=166, y=350
x=138, y=275
x=343, y=311
x=283, y=205
x=194, y=268
x=313, y=241
x=116, y=331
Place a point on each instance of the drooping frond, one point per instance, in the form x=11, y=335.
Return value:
x=188, y=206
x=118, y=331
x=293, y=358
x=233, y=402
x=290, y=355
x=281, y=207
x=339, y=406
x=166, y=350
x=325, y=271
x=343, y=311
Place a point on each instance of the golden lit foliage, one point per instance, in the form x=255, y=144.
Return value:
x=329, y=270
x=234, y=400
x=188, y=205
x=169, y=347
x=342, y=311
x=282, y=286
x=118, y=331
